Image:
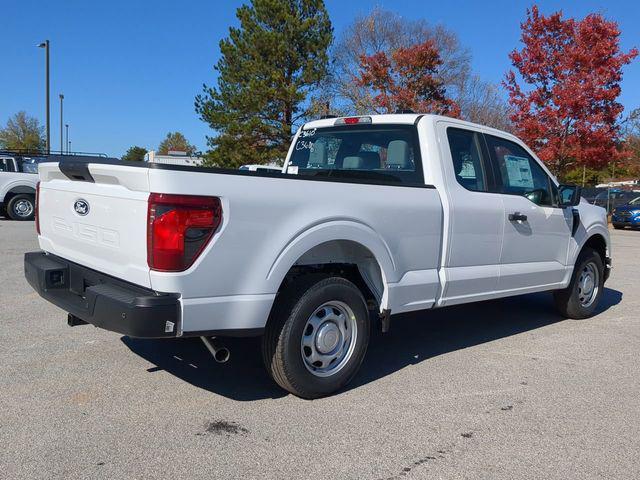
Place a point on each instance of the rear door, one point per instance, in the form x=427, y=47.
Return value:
x=536, y=230
x=471, y=256
x=97, y=217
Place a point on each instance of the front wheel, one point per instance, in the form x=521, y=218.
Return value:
x=580, y=299
x=317, y=336
x=21, y=207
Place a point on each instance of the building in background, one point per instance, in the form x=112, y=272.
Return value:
x=173, y=158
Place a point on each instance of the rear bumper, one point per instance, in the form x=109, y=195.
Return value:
x=101, y=300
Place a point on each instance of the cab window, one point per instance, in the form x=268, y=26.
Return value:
x=466, y=155
x=6, y=165
x=387, y=154
x=518, y=173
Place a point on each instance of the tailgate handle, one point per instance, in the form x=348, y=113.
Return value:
x=75, y=170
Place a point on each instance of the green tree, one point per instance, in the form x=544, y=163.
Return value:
x=22, y=133
x=175, y=141
x=135, y=154
x=267, y=69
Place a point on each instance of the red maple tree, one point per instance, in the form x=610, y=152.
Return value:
x=405, y=80
x=572, y=69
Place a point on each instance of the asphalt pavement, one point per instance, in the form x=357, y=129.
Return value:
x=504, y=389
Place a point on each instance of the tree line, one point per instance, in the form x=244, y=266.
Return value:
x=284, y=65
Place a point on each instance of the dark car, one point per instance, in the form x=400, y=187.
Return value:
x=627, y=215
x=616, y=198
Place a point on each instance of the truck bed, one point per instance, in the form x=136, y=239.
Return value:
x=270, y=222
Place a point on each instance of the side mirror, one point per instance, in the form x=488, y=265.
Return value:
x=569, y=195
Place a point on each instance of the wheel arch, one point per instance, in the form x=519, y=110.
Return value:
x=16, y=188
x=345, y=248
x=598, y=243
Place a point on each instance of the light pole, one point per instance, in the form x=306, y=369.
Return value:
x=67, y=142
x=61, y=123
x=45, y=45
x=69, y=147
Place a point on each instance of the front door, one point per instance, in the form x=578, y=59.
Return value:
x=536, y=231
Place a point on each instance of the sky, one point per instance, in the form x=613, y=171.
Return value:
x=130, y=69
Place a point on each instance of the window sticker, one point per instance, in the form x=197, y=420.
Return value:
x=292, y=169
x=519, y=171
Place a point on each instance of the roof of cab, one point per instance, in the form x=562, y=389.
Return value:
x=405, y=118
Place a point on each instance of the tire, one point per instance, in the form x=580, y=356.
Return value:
x=572, y=302
x=315, y=313
x=618, y=227
x=21, y=207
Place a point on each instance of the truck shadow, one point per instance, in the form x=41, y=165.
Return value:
x=413, y=338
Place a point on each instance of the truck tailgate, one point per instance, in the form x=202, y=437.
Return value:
x=100, y=224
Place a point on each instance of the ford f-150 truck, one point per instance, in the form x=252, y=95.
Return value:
x=370, y=217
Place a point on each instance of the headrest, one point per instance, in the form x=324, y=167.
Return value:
x=398, y=155
x=352, y=163
x=318, y=156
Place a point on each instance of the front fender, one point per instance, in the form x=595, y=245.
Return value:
x=593, y=221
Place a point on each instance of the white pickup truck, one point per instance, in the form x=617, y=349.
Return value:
x=18, y=181
x=371, y=216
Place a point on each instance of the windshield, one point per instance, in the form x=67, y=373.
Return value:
x=635, y=201
x=380, y=153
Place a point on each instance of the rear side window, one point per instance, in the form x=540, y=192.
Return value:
x=466, y=154
x=6, y=165
x=519, y=173
x=377, y=153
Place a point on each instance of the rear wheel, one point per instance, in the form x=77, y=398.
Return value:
x=580, y=299
x=21, y=207
x=317, y=336
x=618, y=227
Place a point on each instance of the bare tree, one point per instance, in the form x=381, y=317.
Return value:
x=482, y=102
x=384, y=31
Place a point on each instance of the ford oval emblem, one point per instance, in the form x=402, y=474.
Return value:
x=81, y=207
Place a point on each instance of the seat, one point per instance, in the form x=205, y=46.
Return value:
x=318, y=156
x=352, y=163
x=398, y=155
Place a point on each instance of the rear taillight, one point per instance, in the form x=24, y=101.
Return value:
x=37, y=214
x=179, y=227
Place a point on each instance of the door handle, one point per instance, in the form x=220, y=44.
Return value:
x=517, y=217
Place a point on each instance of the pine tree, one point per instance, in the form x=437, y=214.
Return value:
x=267, y=68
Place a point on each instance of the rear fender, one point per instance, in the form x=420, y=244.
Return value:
x=329, y=231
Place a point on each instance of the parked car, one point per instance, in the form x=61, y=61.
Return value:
x=627, y=215
x=18, y=179
x=375, y=216
x=589, y=193
x=616, y=197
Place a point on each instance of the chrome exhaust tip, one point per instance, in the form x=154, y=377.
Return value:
x=220, y=354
